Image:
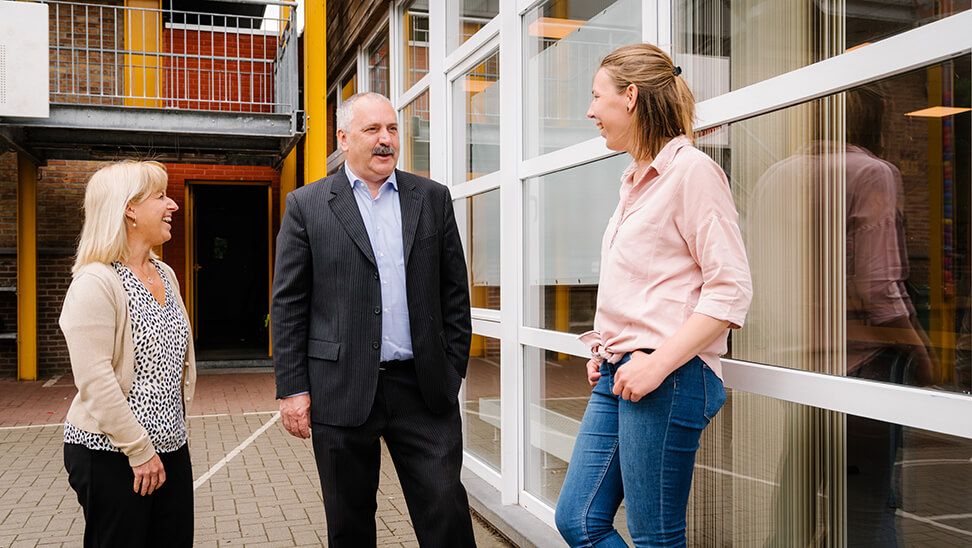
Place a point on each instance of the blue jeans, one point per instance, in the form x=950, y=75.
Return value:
x=642, y=452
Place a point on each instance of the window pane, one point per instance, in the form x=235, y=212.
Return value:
x=416, y=47
x=775, y=473
x=564, y=43
x=378, y=65
x=723, y=46
x=855, y=210
x=465, y=18
x=415, y=136
x=556, y=397
x=332, y=122
x=484, y=249
x=481, y=406
x=350, y=85
x=476, y=96
x=564, y=217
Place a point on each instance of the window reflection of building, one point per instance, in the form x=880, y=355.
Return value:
x=415, y=136
x=466, y=17
x=416, y=47
x=477, y=97
x=859, y=305
x=378, y=77
x=564, y=42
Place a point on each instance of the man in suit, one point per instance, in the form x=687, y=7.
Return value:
x=371, y=332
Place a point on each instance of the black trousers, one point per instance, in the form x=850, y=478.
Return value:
x=426, y=449
x=115, y=515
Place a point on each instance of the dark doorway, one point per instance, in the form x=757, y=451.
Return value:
x=231, y=263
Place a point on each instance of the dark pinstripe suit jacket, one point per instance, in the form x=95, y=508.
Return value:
x=325, y=313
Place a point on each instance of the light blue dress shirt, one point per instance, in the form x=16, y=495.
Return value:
x=382, y=218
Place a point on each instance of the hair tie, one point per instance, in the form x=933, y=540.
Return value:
x=677, y=70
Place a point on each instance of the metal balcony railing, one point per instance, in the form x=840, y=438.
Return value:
x=175, y=59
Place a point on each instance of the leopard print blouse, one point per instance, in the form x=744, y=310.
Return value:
x=160, y=336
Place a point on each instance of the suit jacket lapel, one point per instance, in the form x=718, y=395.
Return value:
x=411, y=203
x=345, y=208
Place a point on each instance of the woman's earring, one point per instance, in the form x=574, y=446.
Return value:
x=133, y=220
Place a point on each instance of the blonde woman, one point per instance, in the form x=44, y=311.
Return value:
x=674, y=278
x=125, y=438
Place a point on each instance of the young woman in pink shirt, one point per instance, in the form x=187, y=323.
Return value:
x=674, y=279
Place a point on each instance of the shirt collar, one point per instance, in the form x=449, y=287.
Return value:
x=352, y=178
x=662, y=160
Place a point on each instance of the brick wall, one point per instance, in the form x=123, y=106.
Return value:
x=59, y=218
x=8, y=262
x=81, y=68
x=219, y=84
x=174, y=252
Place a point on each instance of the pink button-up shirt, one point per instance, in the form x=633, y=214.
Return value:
x=672, y=248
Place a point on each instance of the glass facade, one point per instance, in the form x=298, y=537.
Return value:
x=481, y=429
x=723, y=46
x=860, y=194
x=776, y=473
x=415, y=136
x=564, y=217
x=483, y=230
x=415, y=49
x=378, y=76
x=563, y=45
x=477, y=120
x=465, y=18
x=856, y=211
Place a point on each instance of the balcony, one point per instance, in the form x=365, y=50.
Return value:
x=169, y=84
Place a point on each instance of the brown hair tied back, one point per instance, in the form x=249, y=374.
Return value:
x=665, y=106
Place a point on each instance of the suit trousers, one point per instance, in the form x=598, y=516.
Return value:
x=426, y=449
x=115, y=515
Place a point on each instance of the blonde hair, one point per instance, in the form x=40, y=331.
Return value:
x=104, y=238
x=665, y=107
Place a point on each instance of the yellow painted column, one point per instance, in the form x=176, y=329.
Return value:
x=143, y=34
x=562, y=313
x=942, y=317
x=315, y=89
x=26, y=269
x=288, y=178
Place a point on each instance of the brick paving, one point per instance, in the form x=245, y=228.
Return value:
x=266, y=493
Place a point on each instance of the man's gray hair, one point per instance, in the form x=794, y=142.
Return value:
x=345, y=111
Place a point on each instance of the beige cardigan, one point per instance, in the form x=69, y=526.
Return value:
x=98, y=331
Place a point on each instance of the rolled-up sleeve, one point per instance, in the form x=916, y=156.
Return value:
x=709, y=224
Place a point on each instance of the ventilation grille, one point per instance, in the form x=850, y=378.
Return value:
x=3, y=74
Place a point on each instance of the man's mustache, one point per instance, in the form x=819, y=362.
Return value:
x=383, y=149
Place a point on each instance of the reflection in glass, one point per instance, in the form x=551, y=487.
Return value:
x=378, y=65
x=484, y=249
x=481, y=405
x=723, y=46
x=415, y=136
x=564, y=43
x=556, y=397
x=855, y=210
x=466, y=17
x=416, y=47
x=476, y=99
x=349, y=86
x=774, y=473
x=564, y=217
x=332, y=122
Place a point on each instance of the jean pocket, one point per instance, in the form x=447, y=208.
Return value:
x=715, y=393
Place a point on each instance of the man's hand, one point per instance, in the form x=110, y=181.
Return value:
x=149, y=476
x=295, y=413
x=638, y=377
